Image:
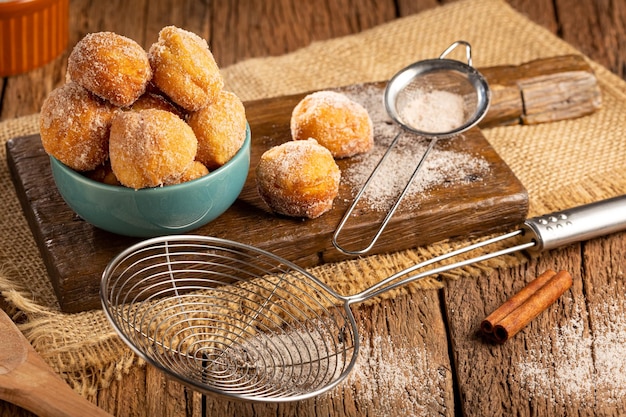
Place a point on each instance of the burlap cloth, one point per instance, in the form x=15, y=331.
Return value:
x=561, y=164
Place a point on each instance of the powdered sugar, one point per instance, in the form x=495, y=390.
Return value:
x=582, y=366
x=442, y=168
x=399, y=379
x=434, y=111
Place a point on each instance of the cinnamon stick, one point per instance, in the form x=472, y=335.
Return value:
x=488, y=324
x=532, y=307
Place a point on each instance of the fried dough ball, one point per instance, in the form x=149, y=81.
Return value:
x=184, y=68
x=111, y=66
x=220, y=129
x=335, y=121
x=150, y=148
x=150, y=100
x=194, y=171
x=74, y=127
x=103, y=174
x=298, y=179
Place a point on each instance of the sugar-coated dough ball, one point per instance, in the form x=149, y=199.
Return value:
x=184, y=68
x=74, y=127
x=220, y=129
x=150, y=100
x=298, y=178
x=150, y=148
x=335, y=121
x=111, y=66
x=104, y=174
x=194, y=171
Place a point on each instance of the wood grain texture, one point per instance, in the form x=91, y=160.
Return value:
x=596, y=28
x=414, y=376
x=541, y=91
x=27, y=380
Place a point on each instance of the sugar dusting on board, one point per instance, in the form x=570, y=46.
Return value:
x=581, y=365
x=442, y=168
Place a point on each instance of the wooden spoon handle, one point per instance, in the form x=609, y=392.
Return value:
x=35, y=387
x=27, y=381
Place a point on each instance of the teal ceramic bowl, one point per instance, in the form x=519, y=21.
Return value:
x=157, y=211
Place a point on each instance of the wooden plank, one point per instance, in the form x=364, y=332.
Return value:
x=541, y=91
x=487, y=370
x=195, y=16
x=542, y=12
x=597, y=29
x=407, y=7
x=604, y=287
x=250, y=28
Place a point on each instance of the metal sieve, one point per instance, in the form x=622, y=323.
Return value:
x=230, y=319
x=456, y=92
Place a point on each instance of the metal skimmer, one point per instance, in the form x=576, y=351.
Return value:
x=227, y=318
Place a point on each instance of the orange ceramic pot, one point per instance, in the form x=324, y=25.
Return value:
x=32, y=33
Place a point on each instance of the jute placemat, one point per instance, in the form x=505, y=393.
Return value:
x=561, y=164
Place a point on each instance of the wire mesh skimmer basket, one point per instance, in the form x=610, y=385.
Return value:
x=227, y=318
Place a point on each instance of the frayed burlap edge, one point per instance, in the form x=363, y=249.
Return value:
x=88, y=359
x=88, y=354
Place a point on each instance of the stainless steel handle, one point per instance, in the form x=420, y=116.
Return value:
x=538, y=233
x=576, y=224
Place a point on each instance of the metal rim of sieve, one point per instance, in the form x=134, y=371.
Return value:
x=399, y=82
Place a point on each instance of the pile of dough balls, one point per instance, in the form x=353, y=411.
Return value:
x=138, y=118
x=300, y=178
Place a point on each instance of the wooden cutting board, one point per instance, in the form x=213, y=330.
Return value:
x=483, y=198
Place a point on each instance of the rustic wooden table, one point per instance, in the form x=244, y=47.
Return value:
x=433, y=330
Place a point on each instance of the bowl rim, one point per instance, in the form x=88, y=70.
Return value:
x=79, y=177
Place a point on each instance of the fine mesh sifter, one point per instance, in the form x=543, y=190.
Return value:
x=229, y=319
x=436, y=99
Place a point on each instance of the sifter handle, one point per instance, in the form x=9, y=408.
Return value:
x=576, y=224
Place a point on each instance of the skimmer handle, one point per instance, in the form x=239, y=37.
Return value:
x=576, y=224
x=393, y=208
